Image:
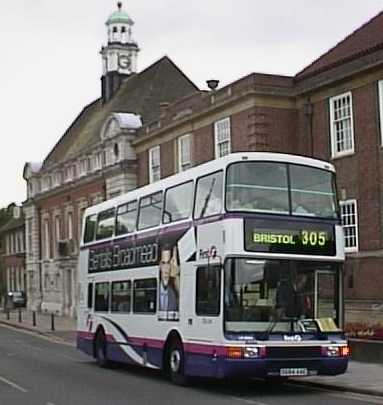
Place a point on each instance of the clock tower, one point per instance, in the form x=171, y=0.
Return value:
x=119, y=56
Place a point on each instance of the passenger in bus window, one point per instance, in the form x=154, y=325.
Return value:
x=168, y=294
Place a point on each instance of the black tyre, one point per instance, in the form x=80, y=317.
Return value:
x=100, y=350
x=176, y=363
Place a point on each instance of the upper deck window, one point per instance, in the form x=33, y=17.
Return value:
x=105, y=224
x=90, y=228
x=312, y=192
x=272, y=187
x=258, y=186
x=126, y=218
x=208, y=200
x=178, y=202
x=150, y=211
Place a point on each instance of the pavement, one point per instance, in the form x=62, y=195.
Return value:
x=361, y=377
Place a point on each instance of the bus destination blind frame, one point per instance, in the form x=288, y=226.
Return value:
x=302, y=238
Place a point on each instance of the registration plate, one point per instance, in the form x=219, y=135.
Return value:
x=288, y=372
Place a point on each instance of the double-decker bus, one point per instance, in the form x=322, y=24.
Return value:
x=232, y=268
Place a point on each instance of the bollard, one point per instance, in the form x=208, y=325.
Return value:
x=20, y=318
x=52, y=322
x=34, y=318
x=8, y=315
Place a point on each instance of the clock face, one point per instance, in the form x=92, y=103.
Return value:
x=124, y=61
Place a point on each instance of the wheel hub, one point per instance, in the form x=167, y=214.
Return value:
x=175, y=361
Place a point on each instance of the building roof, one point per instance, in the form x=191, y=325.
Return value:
x=12, y=224
x=119, y=16
x=366, y=39
x=140, y=94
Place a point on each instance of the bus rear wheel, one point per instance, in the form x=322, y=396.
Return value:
x=100, y=350
x=176, y=363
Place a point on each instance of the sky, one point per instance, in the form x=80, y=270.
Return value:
x=50, y=66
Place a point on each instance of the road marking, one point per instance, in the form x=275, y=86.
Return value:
x=13, y=385
x=248, y=401
x=369, y=398
x=50, y=403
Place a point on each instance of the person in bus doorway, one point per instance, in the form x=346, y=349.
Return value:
x=168, y=295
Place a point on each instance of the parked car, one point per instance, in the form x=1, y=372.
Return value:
x=17, y=299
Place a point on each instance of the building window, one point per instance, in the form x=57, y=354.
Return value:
x=184, y=153
x=222, y=137
x=70, y=225
x=97, y=162
x=349, y=216
x=46, y=246
x=56, y=179
x=380, y=95
x=154, y=164
x=341, y=125
x=83, y=167
x=46, y=183
x=29, y=237
x=69, y=173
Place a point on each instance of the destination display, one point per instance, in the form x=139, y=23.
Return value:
x=303, y=238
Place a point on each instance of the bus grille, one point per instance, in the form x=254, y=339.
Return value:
x=292, y=352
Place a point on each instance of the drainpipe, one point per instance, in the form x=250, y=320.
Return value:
x=308, y=112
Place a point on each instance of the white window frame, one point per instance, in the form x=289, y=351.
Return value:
x=355, y=225
x=380, y=99
x=83, y=167
x=56, y=179
x=154, y=164
x=70, y=225
x=46, y=183
x=333, y=122
x=97, y=161
x=222, y=129
x=47, y=249
x=69, y=173
x=184, y=159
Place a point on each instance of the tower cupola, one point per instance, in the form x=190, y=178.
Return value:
x=119, y=56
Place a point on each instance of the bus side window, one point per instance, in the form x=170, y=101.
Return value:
x=178, y=202
x=150, y=211
x=90, y=228
x=105, y=224
x=209, y=194
x=90, y=295
x=145, y=295
x=126, y=218
x=101, y=299
x=121, y=296
x=208, y=289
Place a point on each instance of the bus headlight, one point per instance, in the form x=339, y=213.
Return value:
x=247, y=352
x=252, y=352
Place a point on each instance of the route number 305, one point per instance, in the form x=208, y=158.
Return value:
x=313, y=238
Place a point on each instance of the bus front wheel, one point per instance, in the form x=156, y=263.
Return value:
x=100, y=350
x=176, y=363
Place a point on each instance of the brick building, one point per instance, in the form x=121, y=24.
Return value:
x=151, y=124
x=331, y=110
x=12, y=235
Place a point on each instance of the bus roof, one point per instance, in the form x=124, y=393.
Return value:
x=205, y=168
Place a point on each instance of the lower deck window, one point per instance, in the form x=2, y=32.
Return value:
x=208, y=291
x=145, y=295
x=101, y=303
x=121, y=296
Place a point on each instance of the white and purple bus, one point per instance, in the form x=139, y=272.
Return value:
x=232, y=268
